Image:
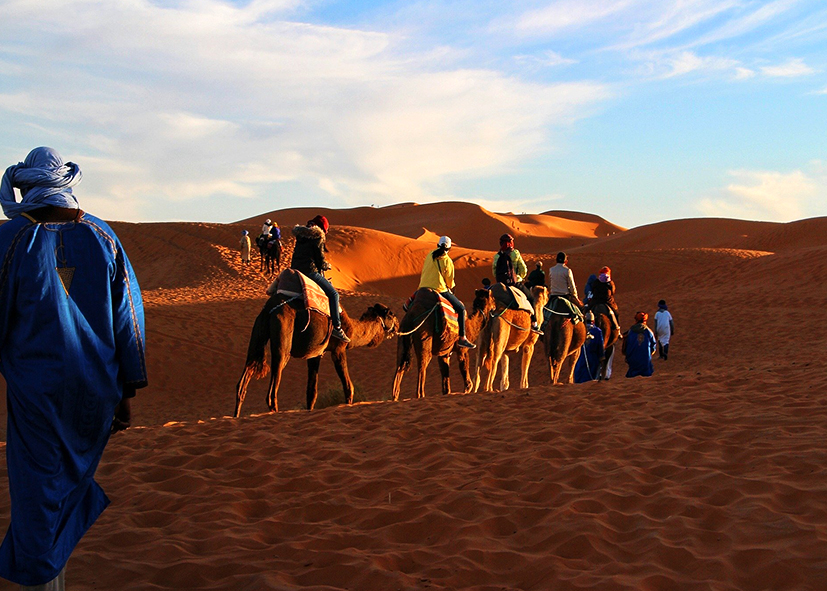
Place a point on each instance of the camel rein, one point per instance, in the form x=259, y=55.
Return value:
x=431, y=311
x=500, y=316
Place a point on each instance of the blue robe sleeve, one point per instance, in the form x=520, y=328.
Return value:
x=128, y=317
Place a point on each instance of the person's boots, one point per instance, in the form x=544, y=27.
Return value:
x=465, y=343
x=340, y=334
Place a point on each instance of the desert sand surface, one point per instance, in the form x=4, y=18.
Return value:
x=710, y=475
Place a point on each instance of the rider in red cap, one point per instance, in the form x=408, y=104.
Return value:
x=308, y=257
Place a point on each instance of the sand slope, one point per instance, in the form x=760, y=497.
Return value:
x=709, y=475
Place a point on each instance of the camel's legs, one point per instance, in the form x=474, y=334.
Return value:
x=527, y=354
x=340, y=363
x=279, y=356
x=444, y=370
x=312, y=381
x=604, y=363
x=424, y=357
x=241, y=389
x=572, y=361
x=504, y=372
x=464, y=369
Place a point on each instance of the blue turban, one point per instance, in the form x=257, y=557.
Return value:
x=43, y=179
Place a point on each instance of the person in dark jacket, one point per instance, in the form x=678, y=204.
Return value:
x=638, y=346
x=308, y=258
x=536, y=277
x=603, y=292
x=591, y=353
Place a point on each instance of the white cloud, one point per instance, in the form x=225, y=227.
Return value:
x=672, y=65
x=206, y=98
x=769, y=195
x=546, y=59
x=791, y=69
x=564, y=14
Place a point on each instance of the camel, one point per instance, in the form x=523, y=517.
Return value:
x=419, y=340
x=294, y=331
x=269, y=252
x=562, y=339
x=507, y=330
x=610, y=337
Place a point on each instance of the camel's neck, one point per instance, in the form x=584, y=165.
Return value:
x=473, y=324
x=367, y=333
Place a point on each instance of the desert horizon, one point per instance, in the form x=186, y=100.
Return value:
x=707, y=475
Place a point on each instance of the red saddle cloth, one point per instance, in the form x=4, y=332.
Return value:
x=292, y=283
x=447, y=319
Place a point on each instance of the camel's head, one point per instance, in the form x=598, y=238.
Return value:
x=483, y=300
x=389, y=321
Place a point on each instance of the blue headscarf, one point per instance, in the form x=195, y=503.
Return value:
x=43, y=179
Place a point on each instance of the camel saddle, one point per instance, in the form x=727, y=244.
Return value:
x=447, y=319
x=510, y=297
x=295, y=284
x=561, y=306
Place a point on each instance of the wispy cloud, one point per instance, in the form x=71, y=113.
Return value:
x=564, y=14
x=209, y=98
x=769, y=195
x=791, y=69
x=548, y=59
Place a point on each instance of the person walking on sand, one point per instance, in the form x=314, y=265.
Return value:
x=245, y=247
x=509, y=269
x=72, y=354
x=438, y=274
x=308, y=258
x=588, y=364
x=638, y=347
x=664, y=329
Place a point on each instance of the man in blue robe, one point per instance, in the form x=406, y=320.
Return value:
x=639, y=345
x=588, y=364
x=72, y=354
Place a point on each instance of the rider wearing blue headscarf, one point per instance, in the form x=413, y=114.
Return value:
x=72, y=354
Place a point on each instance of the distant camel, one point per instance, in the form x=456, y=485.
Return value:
x=269, y=252
x=281, y=323
x=420, y=324
x=562, y=339
x=507, y=330
x=610, y=336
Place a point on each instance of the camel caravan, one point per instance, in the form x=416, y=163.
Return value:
x=303, y=319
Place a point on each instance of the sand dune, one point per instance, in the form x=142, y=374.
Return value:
x=468, y=224
x=709, y=475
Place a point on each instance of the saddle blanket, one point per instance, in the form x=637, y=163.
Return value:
x=562, y=307
x=292, y=283
x=449, y=316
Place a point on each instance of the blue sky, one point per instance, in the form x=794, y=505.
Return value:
x=636, y=110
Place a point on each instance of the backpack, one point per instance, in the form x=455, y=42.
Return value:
x=505, y=269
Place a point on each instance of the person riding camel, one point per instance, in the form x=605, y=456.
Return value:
x=536, y=277
x=266, y=228
x=603, y=291
x=509, y=269
x=561, y=281
x=438, y=274
x=308, y=258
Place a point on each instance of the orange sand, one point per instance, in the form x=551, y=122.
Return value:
x=709, y=475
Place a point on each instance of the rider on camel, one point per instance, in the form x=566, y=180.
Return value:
x=509, y=269
x=308, y=258
x=561, y=283
x=603, y=291
x=438, y=274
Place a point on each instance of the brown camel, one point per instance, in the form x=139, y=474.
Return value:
x=610, y=337
x=294, y=331
x=562, y=339
x=506, y=330
x=420, y=323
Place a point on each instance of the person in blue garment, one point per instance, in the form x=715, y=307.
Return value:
x=72, y=354
x=639, y=345
x=588, y=364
